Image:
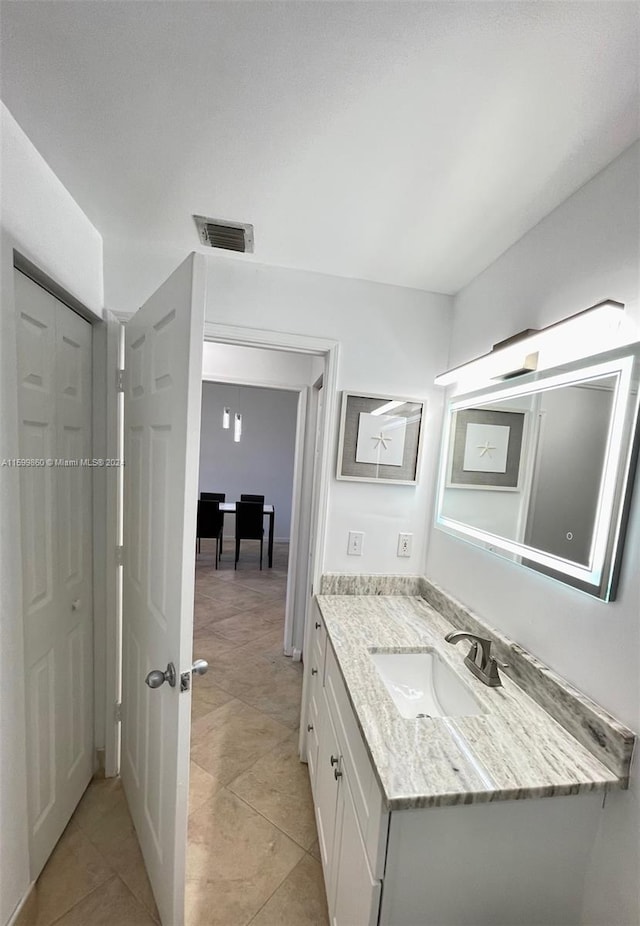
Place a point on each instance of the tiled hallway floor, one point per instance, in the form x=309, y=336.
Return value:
x=252, y=855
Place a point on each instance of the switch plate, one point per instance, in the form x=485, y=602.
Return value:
x=404, y=544
x=356, y=541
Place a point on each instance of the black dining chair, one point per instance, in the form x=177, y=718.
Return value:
x=249, y=525
x=252, y=498
x=210, y=521
x=216, y=497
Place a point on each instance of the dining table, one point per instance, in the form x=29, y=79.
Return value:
x=268, y=511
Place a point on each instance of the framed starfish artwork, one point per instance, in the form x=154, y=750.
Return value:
x=486, y=449
x=380, y=439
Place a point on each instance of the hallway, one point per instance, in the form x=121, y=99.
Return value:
x=253, y=854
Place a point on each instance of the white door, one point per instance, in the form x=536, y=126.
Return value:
x=54, y=405
x=163, y=383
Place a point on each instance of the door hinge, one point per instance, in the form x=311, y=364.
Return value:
x=120, y=555
x=117, y=712
x=120, y=380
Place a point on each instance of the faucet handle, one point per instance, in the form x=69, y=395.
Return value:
x=492, y=673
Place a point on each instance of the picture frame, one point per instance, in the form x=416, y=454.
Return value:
x=491, y=435
x=380, y=438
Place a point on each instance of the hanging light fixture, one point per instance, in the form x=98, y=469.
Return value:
x=237, y=427
x=593, y=329
x=226, y=418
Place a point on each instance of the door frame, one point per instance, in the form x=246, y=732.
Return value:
x=329, y=350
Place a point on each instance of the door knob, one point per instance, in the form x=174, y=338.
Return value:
x=157, y=677
x=199, y=667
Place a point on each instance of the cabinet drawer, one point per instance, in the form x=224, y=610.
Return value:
x=367, y=799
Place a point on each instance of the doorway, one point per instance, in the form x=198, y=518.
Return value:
x=249, y=791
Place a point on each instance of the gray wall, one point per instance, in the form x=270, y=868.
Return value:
x=262, y=463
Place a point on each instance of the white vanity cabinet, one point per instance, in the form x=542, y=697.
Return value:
x=351, y=820
x=508, y=863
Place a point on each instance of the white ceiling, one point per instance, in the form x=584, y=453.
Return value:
x=407, y=143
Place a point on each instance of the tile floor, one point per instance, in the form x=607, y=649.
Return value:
x=252, y=854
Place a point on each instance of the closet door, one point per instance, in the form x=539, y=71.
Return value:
x=54, y=406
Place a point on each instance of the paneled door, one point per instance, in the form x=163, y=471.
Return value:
x=54, y=407
x=163, y=385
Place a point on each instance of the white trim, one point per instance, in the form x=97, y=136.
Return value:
x=294, y=543
x=254, y=383
x=113, y=627
x=13, y=919
x=270, y=340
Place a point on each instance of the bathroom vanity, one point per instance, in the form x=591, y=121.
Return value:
x=444, y=820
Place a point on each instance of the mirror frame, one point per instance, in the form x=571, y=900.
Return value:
x=600, y=577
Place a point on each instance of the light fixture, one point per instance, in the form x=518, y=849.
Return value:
x=592, y=330
x=226, y=419
x=237, y=427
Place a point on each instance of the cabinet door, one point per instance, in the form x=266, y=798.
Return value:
x=313, y=743
x=326, y=789
x=356, y=893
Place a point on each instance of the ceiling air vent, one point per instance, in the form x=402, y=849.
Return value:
x=230, y=236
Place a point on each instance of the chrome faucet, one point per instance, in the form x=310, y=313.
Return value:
x=479, y=659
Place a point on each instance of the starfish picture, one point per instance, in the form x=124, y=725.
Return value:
x=381, y=439
x=486, y=448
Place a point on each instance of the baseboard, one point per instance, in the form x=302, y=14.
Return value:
x=18, y=910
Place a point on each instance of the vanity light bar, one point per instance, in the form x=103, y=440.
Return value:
x=536, y=349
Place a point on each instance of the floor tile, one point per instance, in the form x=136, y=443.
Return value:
x=206, y=698
x=236, y=860
x=102, y=796
x=300, y=899
x=315, y=850
x=115, y=838
x=277, y=786
x=229, y=740
x=112, y=904
x=202, y=787
x=227, y=593
x=242, y=627
x=74, y=870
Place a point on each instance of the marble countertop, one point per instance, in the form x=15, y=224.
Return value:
x=514, y=750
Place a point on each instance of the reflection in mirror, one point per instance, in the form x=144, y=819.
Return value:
x=541, y=471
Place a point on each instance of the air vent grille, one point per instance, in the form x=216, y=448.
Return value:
x=229, y=236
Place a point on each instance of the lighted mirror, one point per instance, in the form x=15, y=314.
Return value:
x=541, y=470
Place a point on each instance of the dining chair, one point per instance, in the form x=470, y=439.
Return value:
x=210, y=521
x=252, y=498
x=249, y=525
x=216, y=497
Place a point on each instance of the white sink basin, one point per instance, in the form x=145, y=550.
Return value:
x=422, y=685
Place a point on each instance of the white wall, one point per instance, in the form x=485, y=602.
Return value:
x=262, y=462
x=585, y=251
x=40, y=220
x=393, y=341
x=255, y=365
